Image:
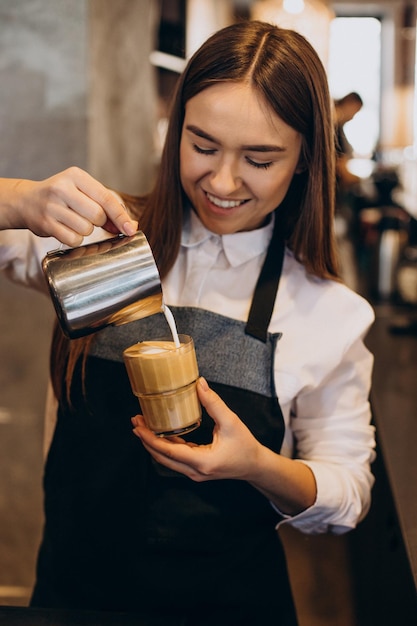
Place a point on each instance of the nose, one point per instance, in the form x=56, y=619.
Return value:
x=225, y=177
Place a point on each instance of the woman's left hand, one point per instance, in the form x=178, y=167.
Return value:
x=232, y=453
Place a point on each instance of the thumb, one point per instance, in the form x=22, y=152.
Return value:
x=211, y=401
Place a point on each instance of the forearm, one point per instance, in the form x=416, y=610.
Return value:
x=10, y=195
x=288, y=484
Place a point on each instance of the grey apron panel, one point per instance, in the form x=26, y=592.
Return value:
x=225, y=354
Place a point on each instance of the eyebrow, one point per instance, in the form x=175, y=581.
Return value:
x=251, y=148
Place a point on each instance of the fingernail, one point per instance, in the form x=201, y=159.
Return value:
x=203, y=383
x=128, y=228
x=134, y=421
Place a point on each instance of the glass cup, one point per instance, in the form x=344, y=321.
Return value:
x=163, y=377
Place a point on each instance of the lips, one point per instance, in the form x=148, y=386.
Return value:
x=224, y=204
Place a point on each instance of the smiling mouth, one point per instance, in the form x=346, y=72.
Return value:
x=225, y=204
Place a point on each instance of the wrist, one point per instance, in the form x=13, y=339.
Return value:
x=11, y=203
x=290, y=485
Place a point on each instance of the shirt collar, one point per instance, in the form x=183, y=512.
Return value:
x=238, y=247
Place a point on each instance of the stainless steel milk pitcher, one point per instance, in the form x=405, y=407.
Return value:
x=109, y=282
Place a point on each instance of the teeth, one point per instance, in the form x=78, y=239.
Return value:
x=224, y=204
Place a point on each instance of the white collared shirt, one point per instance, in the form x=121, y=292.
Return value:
x=322, y=368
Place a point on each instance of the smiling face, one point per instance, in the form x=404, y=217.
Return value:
x=237, y=157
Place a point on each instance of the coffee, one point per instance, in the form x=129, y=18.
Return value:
x=163, y=376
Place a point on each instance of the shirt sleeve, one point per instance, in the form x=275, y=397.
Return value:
x=21, y=254
x=333, y=434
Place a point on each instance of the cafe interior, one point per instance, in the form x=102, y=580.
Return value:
x=74, y=75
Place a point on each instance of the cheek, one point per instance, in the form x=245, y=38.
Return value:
x=275, y=188
x=189, y=166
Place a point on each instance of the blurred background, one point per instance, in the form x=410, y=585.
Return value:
x=88, y=83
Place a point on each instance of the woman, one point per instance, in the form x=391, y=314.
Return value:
x=183, y=531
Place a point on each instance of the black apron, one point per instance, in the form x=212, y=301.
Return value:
x=123, y=533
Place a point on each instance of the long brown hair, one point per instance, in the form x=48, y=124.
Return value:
x=287, y=72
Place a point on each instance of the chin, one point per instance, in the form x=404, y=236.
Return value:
x=217, y=226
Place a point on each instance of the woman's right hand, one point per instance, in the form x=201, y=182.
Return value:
x=66, y=206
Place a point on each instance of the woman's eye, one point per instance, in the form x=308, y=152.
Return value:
x=200, y=150
x=262, y=166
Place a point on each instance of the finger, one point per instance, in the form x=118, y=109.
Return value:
x=154, y=444
x=75, y=208
x=212, y=402
x=172, y=462
x=108, y=201
x=178, y=439
x=138, y=420
x=174, y=449
x=68, y=231
x=65, y=223
x=110, y=227
x=65, y=235
x=79, y=193
x=175, y=465
x=75, y=220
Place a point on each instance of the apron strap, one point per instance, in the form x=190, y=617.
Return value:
x=266, y=288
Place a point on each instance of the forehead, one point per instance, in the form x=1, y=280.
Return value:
x=230, y=107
